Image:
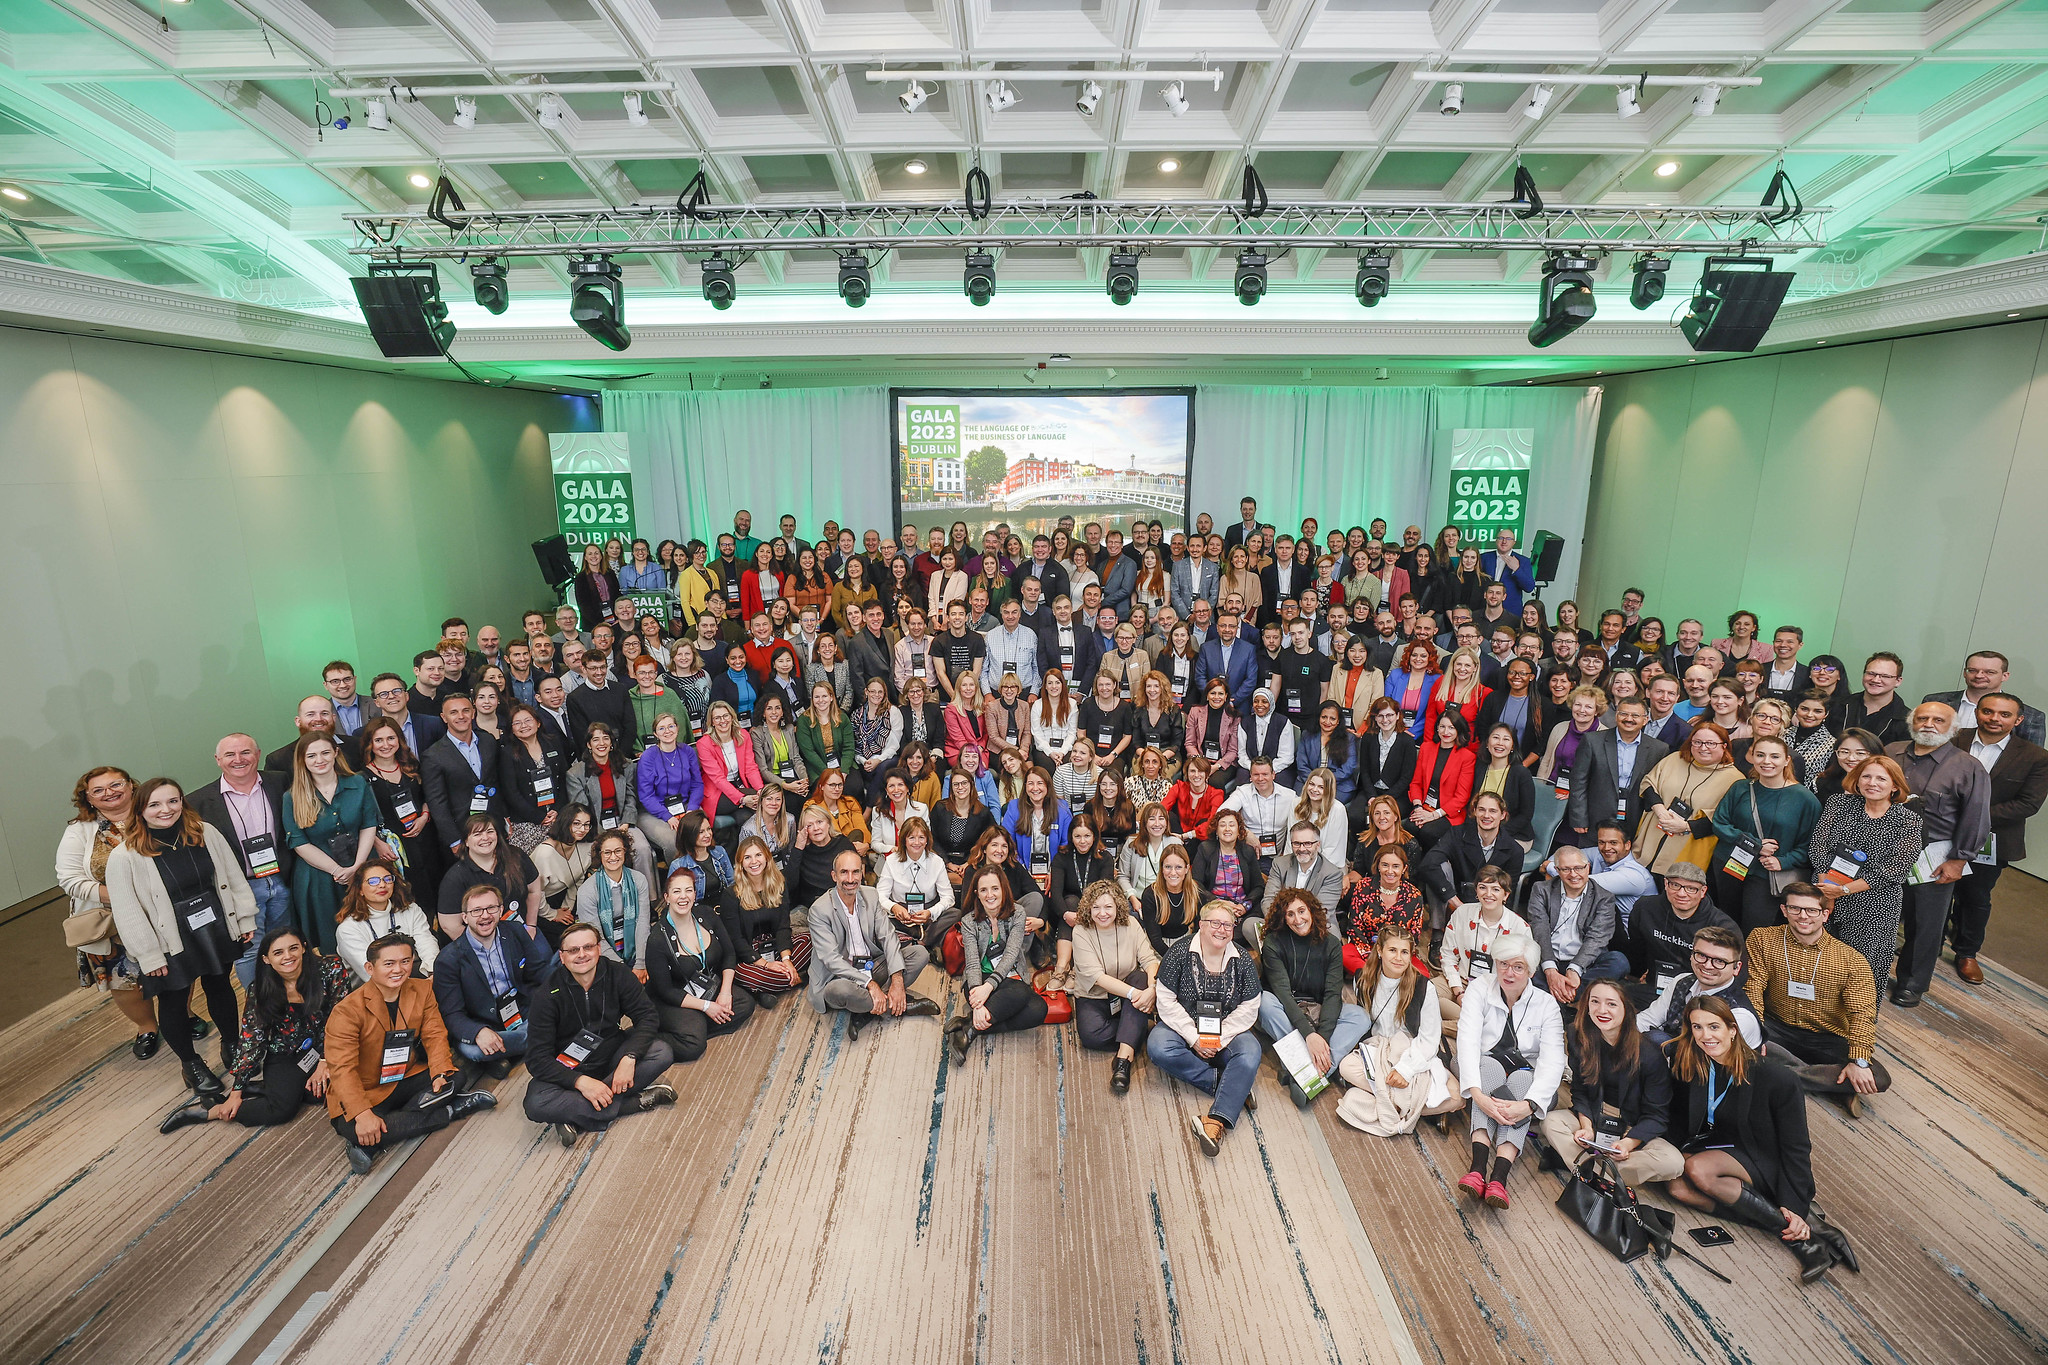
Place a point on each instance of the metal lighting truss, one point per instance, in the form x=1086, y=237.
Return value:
x=751, y=228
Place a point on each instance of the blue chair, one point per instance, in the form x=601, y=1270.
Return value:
x=1549, y=813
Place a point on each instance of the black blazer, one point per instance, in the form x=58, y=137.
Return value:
x=446, y=778
x=1204, y=871
x=463, y=991
x=1643, y=1098
x=934, y=714
x=213, y=809
x=1303, y=578
x=1595, y=780
x=1053, y=581
x=1452, y=865
x=588, y=607
x=519, y=777
x=2019, y=784
x=1087, y=652
x=1395, y=776
x=611, y=704
x=1519, y=793
x=1768, y=1118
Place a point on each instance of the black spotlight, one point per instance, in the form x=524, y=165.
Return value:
x=719, y=287
x=1122, y=279
x=979, y=281
x=1565, y=302
x=1737, y=301
x=1250, y=281
x=1648, y=285
x=403, y=308
x=855, y=283
x=597, y=301
x=1375, y=276
x=493, y=289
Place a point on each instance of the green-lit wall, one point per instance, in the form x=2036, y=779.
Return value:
x=189, y=537
x=1891, y=495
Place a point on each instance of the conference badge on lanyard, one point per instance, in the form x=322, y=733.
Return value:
x=479, y=800
x=578, y=1049
x=261, y=851
x=396, y=1055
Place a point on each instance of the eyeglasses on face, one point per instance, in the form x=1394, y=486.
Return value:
x=1712, y=959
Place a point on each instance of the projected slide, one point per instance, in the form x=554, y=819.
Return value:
x=1028, y=459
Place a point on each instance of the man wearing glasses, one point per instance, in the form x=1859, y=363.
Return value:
x=1818, y=1001
x=390, y=694
x=1877, y=707
x=1716, y=964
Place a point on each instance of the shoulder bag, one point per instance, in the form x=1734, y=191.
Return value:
x=1784, y=876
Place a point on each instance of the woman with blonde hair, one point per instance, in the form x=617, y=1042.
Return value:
x=1151, y=776
x=1459, y=687
x=1395, y=1074
x=1318, y=804
x=823, y=735
x=1116, y=970
x=330, y=822
x=964, y=723
x=756, y=910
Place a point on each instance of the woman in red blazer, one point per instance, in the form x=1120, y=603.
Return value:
x=760, y=583
x=731, y=789
x=1443, y=778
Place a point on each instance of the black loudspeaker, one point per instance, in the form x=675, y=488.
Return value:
x=552, y=555
x=1546, y=552
x=1736, y=303
x=405, y=314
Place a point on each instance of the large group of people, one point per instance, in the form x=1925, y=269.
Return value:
x=1373, y=807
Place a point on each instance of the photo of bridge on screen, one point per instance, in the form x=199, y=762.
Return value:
x=1026, y=460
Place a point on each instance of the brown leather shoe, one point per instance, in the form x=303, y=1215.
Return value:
x=1968, y=970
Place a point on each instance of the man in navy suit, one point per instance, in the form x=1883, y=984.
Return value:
x=486, y=978
x=1229, y=658
x=1510, y=570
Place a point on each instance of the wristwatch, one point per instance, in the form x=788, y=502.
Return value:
x=1863, y=1062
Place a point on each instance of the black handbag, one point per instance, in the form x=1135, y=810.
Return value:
x=1596, y=1199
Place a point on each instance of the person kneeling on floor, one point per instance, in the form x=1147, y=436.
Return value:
x=1396, y=1076
x=390, y=1075
x=1301, y=964
x=487, y=980
x=585, y=1069
x=1740, y=1119
x=1621, y=1091
x=1510, y=1061
x=857, y=962
x=1818, y=1001
x=1208, y=999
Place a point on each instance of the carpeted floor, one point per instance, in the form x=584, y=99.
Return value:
x=819, y=1198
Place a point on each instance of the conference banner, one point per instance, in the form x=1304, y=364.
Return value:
x=1490, y=481
x=593, y=472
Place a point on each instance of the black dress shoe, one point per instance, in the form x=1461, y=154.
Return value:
x=1906, y=998
x=918, y=1004
x=185, y=1116
x=468, y=1102
x=854, y=1024
x=1120, y=1076
x=204, y=1083
x=498, y=1068
x=146, y=1044
x=654, y=1096
x=200, y=1027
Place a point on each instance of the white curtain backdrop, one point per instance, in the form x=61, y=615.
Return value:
x=1342, y=455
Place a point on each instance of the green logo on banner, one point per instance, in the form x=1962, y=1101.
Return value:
x=595, y=506
x=650, y=604
x=1490, y=482
x=934, y=432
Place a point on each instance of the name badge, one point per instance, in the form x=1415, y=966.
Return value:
x=578, y=1049
x=1480, y=961
x=732, y=591
x=543, y=789
x=746, y=722
x=786, y=770
x=197, y=911
x=1104, y=738
x=609, y=821
x=832, y=760
x=1737, y=863
x=480, y=801
x=509, y=1013
x=402, y=806
x=1843, y=870
x=1209, y=1030
x=1664, y=982
x=261, y=851
x=1564, y=784
x=396, y=1055
x=309, y=1057
x=1267, y=845
x=917, y=664
x=1799, y=990
x=1211, y=750
x=1123, y=686
x=678, y=808
x=1041, y=860
x=913, y=900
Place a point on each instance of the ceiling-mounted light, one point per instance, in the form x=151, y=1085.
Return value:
x=419, y=181
x=1648, y=285
x=597, y=301
x=1707, y=100
x=465, y=112
x=1000, y=97
x=1122, y=280
x=914, y=167
x=1667, y=168
x=493, y=287
x=1090, y=97
x=979, y=281
x=1564, y=301
x=635, y=114
x=12, y=193
x=913, y=98
x=376, y=115
x=1168, y=165
x=1250, y=279
x=1454, y=98
x=1375, y=276
x=855, y=282
x=720, y=289
x=550, y=111
x=1176, y=97
x=1627, y=101
x=1538, y=101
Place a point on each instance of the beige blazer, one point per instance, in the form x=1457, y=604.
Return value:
x=142, y=907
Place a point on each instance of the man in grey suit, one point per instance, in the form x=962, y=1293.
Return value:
x=1307, y=870
x=1572, y=919
x=1193, y=577
x=1606, y=777
x=857, y=965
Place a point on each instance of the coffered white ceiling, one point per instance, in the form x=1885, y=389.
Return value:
x=180, y=145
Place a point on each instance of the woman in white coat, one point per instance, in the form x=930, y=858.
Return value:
x=1510, y=1061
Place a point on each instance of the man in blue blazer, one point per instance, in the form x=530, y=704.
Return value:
x=485, y=980
x=1511, y=570
x=1192, y=577
x=1227, y=657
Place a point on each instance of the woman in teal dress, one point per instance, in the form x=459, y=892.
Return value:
x=330, y=822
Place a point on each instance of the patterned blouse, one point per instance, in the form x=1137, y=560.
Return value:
x=1367, y=918
x=299, y=1029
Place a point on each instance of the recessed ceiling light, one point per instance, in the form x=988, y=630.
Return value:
x=2012, y=315
x=1667, y=168
x=915, y=167
x=1169, y=165
x=13, y=193
x=419, y=181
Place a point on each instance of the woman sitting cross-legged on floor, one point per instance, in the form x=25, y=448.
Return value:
x=1301, y=964
x=1740, y=1119
x=1621, y=1091
x=1510, y=1060
x=1396, y=1076
x=992, y=932
x=1116, y=974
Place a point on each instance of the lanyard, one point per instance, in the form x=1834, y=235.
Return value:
x=1714, y=1097
x=1785, y=951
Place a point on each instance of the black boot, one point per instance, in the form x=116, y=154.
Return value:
x=185, y=1116
x=1752, y=1208
x=360, y=1158
x=1837, y=1241
x=1815, y=1258
x=204, y=1083
x=1120, y=1075
x=200, y=1027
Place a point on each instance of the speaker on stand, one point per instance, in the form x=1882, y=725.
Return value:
x=557, y=567
x=1546, y=552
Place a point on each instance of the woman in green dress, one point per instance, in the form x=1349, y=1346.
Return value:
x=330, y=822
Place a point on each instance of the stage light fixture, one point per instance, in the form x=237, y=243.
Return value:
x=1250, y=280
x=493, y=287
x=1090, y=98
x=1000, y=97
x=1375, y=277
x=1122, y=280
x=420, y=181
x=1538, y=101
x=550, y=111
x=635, y=114
x=855, y=281
x=720, y=289
x=377, y=115
x=979, y=280
x=1627, y=101
x=1454, y=98
x=913, y=98
x=1648, y=285
x=1564, y=301
x=597, y=302
x=465, y=112
x=1707, y=100
x=1176, y=97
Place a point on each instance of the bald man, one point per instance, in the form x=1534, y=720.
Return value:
x=1954, y=794
x=247, y=807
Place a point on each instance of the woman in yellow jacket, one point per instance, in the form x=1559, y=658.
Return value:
x=1679, y=800
x=694, y=583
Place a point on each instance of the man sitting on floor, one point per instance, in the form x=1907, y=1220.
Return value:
x=378, y=1086
x=857, y=962
x=1662, y=930
x=1716, y=963
x=486, y=981
x=1818, y=1001
x=585, y=1069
